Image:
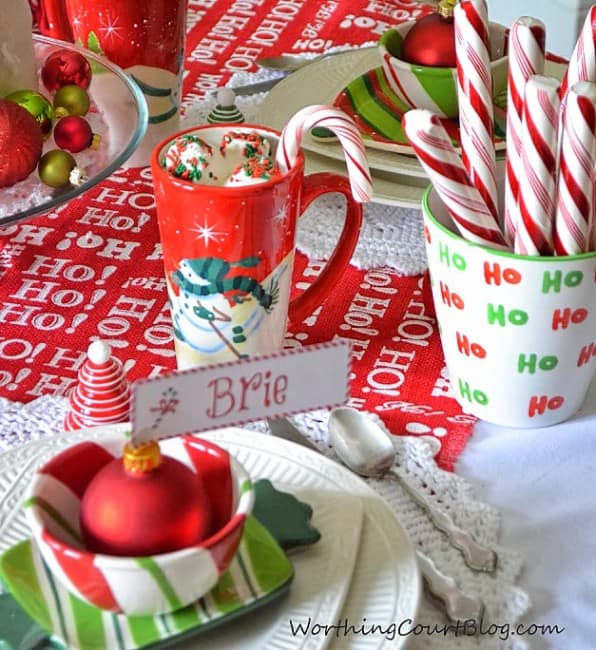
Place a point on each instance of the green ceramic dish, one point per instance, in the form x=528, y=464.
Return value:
x=39, y=613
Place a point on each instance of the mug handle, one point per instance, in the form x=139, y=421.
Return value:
x=314, y=186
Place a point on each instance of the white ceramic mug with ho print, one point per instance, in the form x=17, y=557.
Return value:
x=518, y=332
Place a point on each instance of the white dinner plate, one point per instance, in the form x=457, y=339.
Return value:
x=385, y=586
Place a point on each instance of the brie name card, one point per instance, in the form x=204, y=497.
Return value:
x=235, y=393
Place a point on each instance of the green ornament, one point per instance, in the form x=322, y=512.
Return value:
x=38, y=106
x=55, y=166
x=71, y=100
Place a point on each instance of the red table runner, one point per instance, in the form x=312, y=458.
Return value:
x=93, y=268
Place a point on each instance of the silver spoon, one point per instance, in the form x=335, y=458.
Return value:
x=291, y=62
x=458, y=605
x=367, y=449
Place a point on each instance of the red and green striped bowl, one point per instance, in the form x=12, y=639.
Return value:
x=136, y=585
x=434, y=88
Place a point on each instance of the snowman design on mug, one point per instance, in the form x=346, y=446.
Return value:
x=231, y=306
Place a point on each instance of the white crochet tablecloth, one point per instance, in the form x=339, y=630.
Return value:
x=504, y=601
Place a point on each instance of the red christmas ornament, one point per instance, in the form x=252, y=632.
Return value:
x=102, y=395
x=74, y=134
x=64, y=67
x=21, y=143
x=431, y=41
x=144, y=504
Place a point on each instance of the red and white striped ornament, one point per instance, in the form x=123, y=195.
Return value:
x=476, y=116
x=526, y=58
x=346, y=131
x=442, y=163
x=574, y=219
x=102, y=395
x=537, y=174
x=582, y=64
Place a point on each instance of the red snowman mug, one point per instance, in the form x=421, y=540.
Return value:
x=144, y=37
x=228, y=253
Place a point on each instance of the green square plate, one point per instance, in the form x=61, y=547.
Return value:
x=259, y=574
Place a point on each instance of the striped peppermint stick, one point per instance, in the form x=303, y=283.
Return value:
x=537, y=197
x=444, y=167
x=592, y=245
x=575, y=209
x=347, y=132
x=582, y=65
x=526, y=58
x=475, y=98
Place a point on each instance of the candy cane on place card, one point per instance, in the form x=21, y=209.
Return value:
x=475, y=98
x=575, y=211
x=346, y=131
x=442, y=163
x=537, y=198
x=582, y=64
x=526, y=58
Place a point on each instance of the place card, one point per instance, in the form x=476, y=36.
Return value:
x=239, y=392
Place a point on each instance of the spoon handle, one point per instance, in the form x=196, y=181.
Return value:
x=476, y=556
x=458, y=605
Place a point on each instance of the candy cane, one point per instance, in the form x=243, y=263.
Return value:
x=347, y=132
x=526, y=58
x=574, y=213
x=536, y=201
x=475, y=98
x=592, y=244
x=443, y=165
x=582, y=65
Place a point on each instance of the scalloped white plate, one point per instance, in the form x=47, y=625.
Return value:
x=385, y=586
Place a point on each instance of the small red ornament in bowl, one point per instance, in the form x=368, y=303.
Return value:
x=74, y=134
x=431, y=41
x=144, y=504
x=65, y=67
x=420, y=65
x=148, y=583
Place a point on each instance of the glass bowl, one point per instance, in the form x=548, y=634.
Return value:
x=118, y=114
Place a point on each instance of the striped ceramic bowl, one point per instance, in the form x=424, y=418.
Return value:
x=146, y=585
x=434, y=88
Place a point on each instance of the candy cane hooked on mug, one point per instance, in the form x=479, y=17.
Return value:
x=526, y=58
x=575, y=210
x=346, y=131
x=443, y=165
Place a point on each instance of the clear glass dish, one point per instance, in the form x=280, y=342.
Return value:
x=118, y=114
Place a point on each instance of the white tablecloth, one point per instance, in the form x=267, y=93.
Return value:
x=544, y=483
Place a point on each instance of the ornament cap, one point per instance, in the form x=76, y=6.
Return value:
x=61, y=111
x=445, y=8
x=142, y=458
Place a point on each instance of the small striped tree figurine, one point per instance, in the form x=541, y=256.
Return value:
x=102, y=394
